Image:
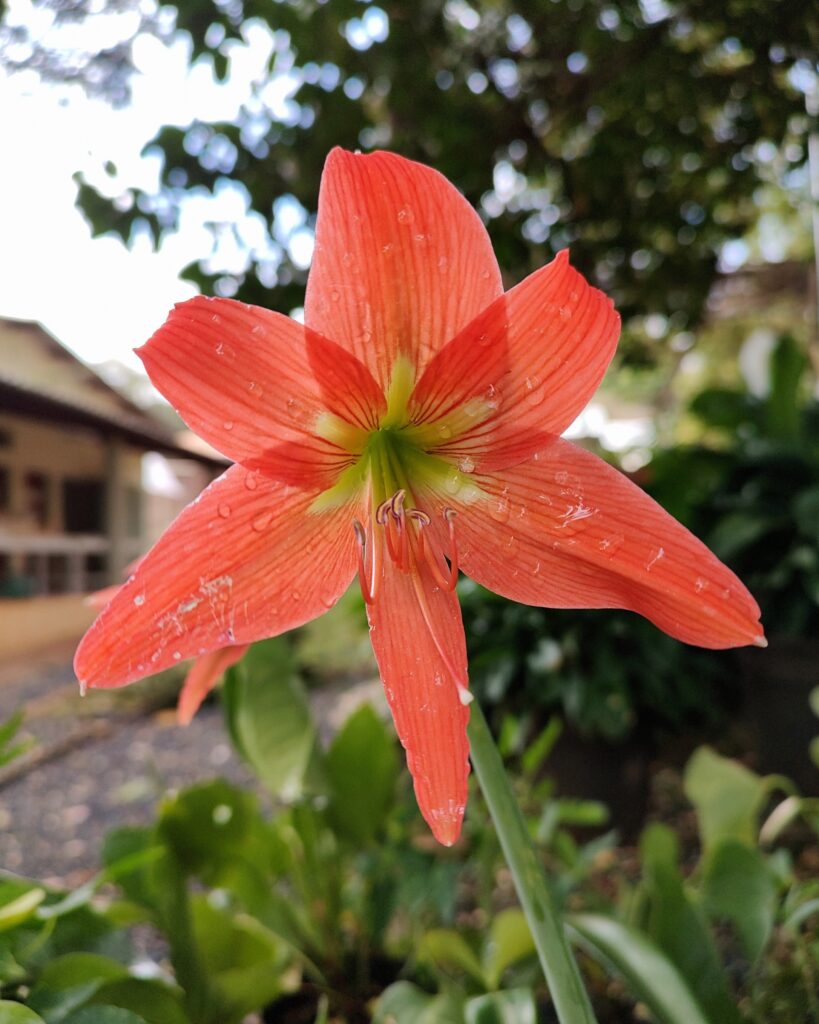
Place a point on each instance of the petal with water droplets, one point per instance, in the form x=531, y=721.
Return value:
x=418, y=638
x=565, y=530
x=402, y=262
x=212, y=581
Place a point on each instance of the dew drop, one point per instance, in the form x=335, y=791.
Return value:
x=224, y=510
x=500, y=510
x=139, y=600
x=443, y=264
x=466, y=464
x=216, y=318
x=386, y=248
x=405, y=215
x=565, y=312
x=257, y=329
x=453, y=482
x=261, y=521
x=177, y=656
x=335, y=295
x=511, y=544
x=228, y=424
x=251, y=483
x=255, y=388
x=347, y=259
x=485, y=275
x=470, y=494
x=533, y=395
x=444, y=431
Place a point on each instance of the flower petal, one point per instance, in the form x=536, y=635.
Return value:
x=402, y=262
x=565, y=530
x=423, y=695
x=247, y=379
x=246, y=560
x=203, y=675
x=534, y=358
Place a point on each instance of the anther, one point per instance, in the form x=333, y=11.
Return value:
x=444, y=582
x=369, y=589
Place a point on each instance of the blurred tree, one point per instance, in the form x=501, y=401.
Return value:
x=636, y=131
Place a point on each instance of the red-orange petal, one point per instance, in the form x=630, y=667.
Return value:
x=565, y=530
x=535, y=357
x=423, y=695
x=203, y=675
x=246, y=560
x=402, y=262
x=247, y=379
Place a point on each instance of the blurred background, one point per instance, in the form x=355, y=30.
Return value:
x=150, y=152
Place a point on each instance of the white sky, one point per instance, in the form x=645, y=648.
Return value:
x=96, y=296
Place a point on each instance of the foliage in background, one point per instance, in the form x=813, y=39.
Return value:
x=638, y=133
x=316, y=909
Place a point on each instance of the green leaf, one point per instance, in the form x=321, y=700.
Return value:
x=16, y=1013
x=738, y=885
x=269, y=718
x=152, y=1001
x=449, y=950
x=70, y=981
x=509, y=942
x=208, y=825
x=244, y=961
x=104, y=1015
x=539, y=749
x=727, y=798
x=404, y=1003
x=512, y=1006
x=20, y=909
x=363, y=768
x=677, y=925
x=649, y=975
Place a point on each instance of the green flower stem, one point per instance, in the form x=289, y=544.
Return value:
x=562, y=975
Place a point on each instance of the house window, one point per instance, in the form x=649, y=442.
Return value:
x=35, y=498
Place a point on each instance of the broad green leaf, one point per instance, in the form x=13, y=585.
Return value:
x=539, y=749
x=508, y=942
x=404, y=1003
x=104, y=1015
x=512, y=1006
x=727, y=798
x=738, y=885
x=362, y=770
x=208, y=824
x=269, y=717
x=648, y=973
x=449, y=950
x=16, y=1013
x=244, y=961
x=153, y=1001
x=20, y=909
x=677, y=925
x=70, y=981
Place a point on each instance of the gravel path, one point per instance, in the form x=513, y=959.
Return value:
x=105, y=760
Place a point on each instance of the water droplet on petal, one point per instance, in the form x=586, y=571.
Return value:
x=405, y=215
x=177, y=656
x=257, y=329
x=261, y=521
x=445, y=431
x=335, y=295
x=453, y=482
x=251, y=483
x=565, y=312
x=533, y=393
x=139, y=600
x=511, y=544
x=296, y=595
x=228, y=424
x=499, y=510
x=224, y=510
x=386, y=248
x=443, y=264
x=255, y=388
x=466, y=464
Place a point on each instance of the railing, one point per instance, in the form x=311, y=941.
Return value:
x=39, y=549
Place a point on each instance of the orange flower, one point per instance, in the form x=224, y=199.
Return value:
x=410, y=429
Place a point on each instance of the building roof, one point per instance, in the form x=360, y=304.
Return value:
x=39, y=377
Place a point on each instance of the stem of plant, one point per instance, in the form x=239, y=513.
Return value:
x=566, y=987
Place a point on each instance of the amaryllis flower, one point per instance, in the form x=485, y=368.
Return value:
x=206, y=670
x=408, y=430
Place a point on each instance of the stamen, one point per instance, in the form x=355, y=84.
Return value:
x=444, y=582
x=369, y=590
